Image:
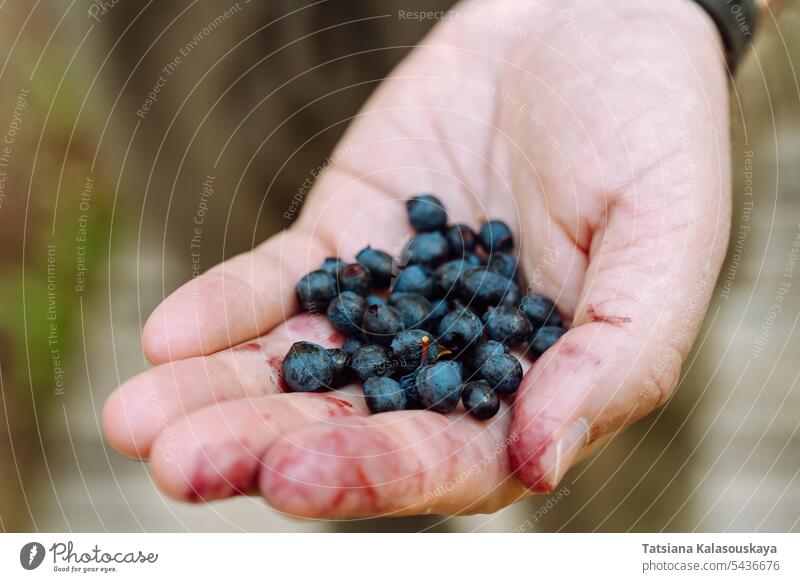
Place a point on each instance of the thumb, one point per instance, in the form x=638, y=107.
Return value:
x=640, y=310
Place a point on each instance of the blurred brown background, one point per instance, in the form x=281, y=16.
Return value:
x=110, y=148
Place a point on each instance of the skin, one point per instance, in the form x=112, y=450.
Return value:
x=600, y=134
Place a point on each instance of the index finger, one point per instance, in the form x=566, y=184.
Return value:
x=248, y=295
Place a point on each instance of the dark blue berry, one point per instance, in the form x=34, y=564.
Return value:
x=414, y=309
x=459, y=329
x=427, y=248
x=332, y=266
x=415, y=279
x=511, y=296
x=484, y=350
x=351, y=344
x=380, y=265
x=542, y=340
x=473, y=260
x=341, y=367
x=438, y=311
x=371, y=360
x=496, y=236
x=315, y=290
x=356, y=278
x=480, y=400
x=507, y=324
x=554, y=319
x=504, y=264
x=381, y=323
x=461, y=238
x=397, y=296
x=426, y=212
x=448, y=275
x=411, y=349
x=375, y=300
x=538, y=308
x=345, y=312
x=409, y=385
x=439, y=386
x=308, y=367
x=483, y=287
x=503, y=373
x=384, y=395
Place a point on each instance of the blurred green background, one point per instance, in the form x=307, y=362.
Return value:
x=100, y=184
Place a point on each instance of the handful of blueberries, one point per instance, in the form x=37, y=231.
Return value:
x=444, y=331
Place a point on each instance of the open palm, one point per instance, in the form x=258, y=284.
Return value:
x=610, y=161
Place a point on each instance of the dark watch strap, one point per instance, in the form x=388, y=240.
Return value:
x=736, y=21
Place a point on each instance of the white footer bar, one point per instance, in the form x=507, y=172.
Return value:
x=406, y=557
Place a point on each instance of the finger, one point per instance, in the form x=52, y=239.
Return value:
x=396, y=463
x=234, y=301
x=216, y=452
x=251, y=293
x=634, y=325
x=139, y=409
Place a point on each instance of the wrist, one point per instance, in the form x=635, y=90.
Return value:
x=736, y=22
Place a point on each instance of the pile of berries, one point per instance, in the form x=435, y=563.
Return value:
x=443, y=331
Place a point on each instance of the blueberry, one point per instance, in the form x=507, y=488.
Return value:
x=484, y=287
x=381, y=323
x=427, y=248
x=345, y=312
x=332, y=266
x=411, y=349
x=438, y=311
x=503, y=373
x=308, y=367
x=459, y=329
x=484, y=350
x=409, y=385
x=538, y=308
x=414, y=309
x=371, y=360
x=507, y=324
x=554, y=319
x=315, y=290
x=542, y=340
x=426, y=212
x=504, y=264
x=511, y=296
x=448, y=275
x=383, y=395
x=473, y=259
x=496, y=236
x=461, y=238
x=375, y=300
x=439, y=386
x=415, y=279
x=397, y=296
x=341, y=366
x=379, y=264
x=480, y=400
x=351, y=344
x=356, y=278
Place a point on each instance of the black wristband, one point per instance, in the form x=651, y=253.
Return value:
x=736, y=21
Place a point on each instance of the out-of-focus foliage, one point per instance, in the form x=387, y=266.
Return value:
x=54, y=220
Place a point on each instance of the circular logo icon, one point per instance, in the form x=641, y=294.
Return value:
x=31, y=555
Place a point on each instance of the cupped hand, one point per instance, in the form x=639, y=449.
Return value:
x=598, y=130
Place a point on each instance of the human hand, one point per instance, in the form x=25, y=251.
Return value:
x=599, y=133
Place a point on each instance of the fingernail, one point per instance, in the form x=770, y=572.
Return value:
x=559, y=457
